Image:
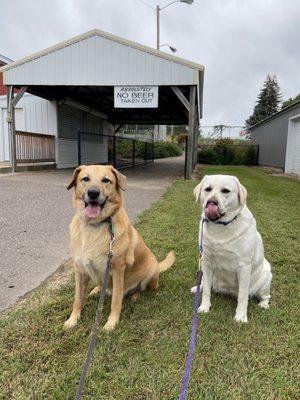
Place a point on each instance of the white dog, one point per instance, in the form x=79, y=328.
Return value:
x=233, y=252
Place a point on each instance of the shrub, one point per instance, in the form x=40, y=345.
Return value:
x=162, y=150
x=227, y=154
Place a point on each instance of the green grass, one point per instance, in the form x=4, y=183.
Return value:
x=144, y=358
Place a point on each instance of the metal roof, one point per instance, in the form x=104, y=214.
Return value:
x=99, y=58
x=4, y=59
x=294, y=105
x=87, y=67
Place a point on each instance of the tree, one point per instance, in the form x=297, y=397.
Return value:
x=290, y=101
x=267, y=102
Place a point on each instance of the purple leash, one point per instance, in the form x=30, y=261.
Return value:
x=195, y=323
x=189, y=360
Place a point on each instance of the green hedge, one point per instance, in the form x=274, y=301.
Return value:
x=222, y=154
x=163, y=150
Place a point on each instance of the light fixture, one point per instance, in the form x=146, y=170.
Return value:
x=173, y=49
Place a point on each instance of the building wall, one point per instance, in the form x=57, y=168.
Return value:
x=271, y=136
x=2, y=87
x=34, y=115
x=94, y=149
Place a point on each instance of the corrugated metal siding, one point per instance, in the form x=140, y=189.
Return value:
x=92, y=153
x=100, y=61
x=40, y=115
x=93, y=149
x=271, y=137
x=71, y=119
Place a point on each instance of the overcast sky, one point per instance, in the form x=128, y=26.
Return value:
x=238, y=41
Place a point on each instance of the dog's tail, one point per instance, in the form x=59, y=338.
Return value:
x=167, y=262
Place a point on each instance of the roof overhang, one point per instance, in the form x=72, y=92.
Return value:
x=87, y=67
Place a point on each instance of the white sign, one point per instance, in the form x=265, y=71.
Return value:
x=136, y=96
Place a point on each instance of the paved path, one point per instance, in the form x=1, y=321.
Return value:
x=35, y=213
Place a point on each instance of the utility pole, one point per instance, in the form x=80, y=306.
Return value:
x=157, y=27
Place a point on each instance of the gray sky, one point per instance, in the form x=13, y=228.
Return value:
x=238, y=41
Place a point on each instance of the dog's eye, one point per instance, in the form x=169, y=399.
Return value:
x=225, y=190
x=85, y=179
x=208, y=189
x=106, y=180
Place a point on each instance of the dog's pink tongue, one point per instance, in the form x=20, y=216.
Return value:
x=212, y=211
x=92, y=211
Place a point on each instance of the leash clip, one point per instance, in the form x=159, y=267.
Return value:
x=111, y=245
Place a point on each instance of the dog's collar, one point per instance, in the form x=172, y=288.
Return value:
x=98, y=224
x=220, y=222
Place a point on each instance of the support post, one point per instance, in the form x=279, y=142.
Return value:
x=185, y=157
x=157, y=27
x=11, y=127
x=196, y=134
x=133, y=153
x=114, y=152
x=145, y=152
x=191, y=133
x=11, y=121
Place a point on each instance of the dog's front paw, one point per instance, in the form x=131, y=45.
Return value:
x=71, y=322
x=264, y=304
x=95, y=291
x=193, y=289
x=241, y=318
x=110, y=325
x=204, y=307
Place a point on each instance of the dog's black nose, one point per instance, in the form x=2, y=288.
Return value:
x=93, y=193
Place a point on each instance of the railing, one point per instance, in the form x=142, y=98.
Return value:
x=34, y=147
x=119, y=151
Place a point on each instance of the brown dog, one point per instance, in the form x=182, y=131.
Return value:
x=98, y=197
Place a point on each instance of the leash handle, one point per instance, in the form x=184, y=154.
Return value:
x=192, y=346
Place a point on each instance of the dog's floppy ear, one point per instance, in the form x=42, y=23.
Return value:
x=121, y=179
x=197, y=190
x=75, y=176
x=242, y=192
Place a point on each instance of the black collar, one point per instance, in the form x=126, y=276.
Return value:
x=220, y=222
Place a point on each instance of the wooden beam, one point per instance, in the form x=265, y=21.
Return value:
x=191, y=133
x=181, y=97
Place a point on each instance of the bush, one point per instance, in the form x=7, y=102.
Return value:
x=227, y=154
x=163, y=150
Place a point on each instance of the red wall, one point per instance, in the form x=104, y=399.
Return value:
x=2, y=87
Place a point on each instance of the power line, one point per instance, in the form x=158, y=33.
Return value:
x=146, y=4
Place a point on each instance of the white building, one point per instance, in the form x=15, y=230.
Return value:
x=75, y=82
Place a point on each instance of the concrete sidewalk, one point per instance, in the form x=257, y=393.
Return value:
x=36, y=210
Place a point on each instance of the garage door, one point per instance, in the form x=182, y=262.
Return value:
x=296, y=148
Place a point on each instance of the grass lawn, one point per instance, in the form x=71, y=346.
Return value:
x=144, y=357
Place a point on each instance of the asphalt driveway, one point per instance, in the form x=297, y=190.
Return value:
x=36, y=210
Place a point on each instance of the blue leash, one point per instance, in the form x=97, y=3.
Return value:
x=195, y=322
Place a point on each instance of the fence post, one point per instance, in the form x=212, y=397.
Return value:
x=79, y=146
x=153, y=152
x=133, y=153
x=114, y=151
x=145, y=152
